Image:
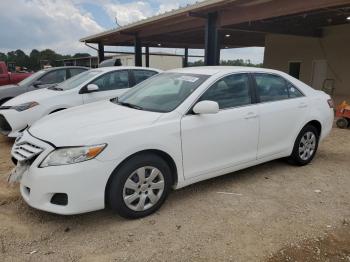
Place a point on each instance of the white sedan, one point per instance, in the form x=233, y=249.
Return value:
x=90, y=86
x=172, y=130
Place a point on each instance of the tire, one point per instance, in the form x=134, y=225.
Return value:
x=342, y=123
x=307, y=139
x=127, y=183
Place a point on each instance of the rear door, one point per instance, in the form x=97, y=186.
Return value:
x=282, y=110
x=111, y=85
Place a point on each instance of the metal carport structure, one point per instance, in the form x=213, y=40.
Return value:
x=216, y=24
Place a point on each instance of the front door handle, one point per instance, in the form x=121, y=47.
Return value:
x=251, y=115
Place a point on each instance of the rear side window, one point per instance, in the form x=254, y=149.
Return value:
x=142, y=75
x=230, y=91
x=53, y=77
x=75, y=71
x=271, y=87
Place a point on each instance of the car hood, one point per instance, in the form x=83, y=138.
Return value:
x=90, y=124
x=7, y=87
x=36, y=95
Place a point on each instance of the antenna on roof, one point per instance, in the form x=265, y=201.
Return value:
x=116, y=21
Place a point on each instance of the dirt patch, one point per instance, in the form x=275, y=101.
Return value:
x=333, y=246
x=269, y=207
x=7, y=193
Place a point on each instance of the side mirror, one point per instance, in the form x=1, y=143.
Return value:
x=37, y=83
x=92, y=88
x=206, y=107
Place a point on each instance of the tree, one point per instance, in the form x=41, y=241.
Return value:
x=34, y=60
x=3, y=57
x=78, y=55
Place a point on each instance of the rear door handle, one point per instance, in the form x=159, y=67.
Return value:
x=302, y=105
x=251, y=115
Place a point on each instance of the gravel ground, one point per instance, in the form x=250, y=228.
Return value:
x=278, y=212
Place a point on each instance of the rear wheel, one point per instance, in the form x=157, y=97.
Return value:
x=342, y=123
x=140, y=186
x=305, y=146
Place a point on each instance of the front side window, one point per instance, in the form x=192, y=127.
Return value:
x=142, y=75
x=230, y=91
x=112, y=80
x=271, y=87
x=79, y=79
x=32, y=78
x=163, y=92
x=53, y=77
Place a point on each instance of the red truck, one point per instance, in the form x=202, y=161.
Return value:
x=7, y=78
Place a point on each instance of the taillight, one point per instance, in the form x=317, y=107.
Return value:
x=330, y=103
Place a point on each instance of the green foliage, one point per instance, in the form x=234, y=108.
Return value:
x=237, y=62
x=36, y=59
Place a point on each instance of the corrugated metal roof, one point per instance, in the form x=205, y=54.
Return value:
x=181, y=10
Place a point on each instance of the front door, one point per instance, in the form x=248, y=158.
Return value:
x=111, y=85
x=213, y=142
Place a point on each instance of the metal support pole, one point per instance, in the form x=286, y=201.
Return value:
x=138, y=52
x=185, y=61
x=147, y=56
x=101, y=52
x=212, y=45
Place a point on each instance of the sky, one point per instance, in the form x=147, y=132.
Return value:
x=59, y=24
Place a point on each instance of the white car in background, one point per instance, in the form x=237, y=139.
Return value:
x=172, y=130
x=90, y=86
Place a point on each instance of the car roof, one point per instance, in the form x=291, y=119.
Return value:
x=213, y=70
x=64, y=67
x=112, y=68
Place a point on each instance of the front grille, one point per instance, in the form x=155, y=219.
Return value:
x=5, y=127
x=5, y=107
x=25, y=151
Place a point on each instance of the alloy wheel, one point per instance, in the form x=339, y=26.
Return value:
x=143, y=188
x=307, y=145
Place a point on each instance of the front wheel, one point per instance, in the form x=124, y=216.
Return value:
x=140, y=186
x=305, y=146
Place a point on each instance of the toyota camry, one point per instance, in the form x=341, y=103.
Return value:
x=172, y=130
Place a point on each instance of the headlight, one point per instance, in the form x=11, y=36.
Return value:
x=25, y=106
x=72, y=155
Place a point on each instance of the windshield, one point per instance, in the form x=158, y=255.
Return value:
x=162, y=93
x=32, y=77
x=77, y=80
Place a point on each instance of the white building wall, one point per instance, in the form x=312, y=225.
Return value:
x=332, y=50
x=162, y=62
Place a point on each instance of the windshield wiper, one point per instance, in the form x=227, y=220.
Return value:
x=129, y=105
x=55, y=88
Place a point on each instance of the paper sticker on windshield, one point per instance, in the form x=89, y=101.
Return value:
x=191, y=79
